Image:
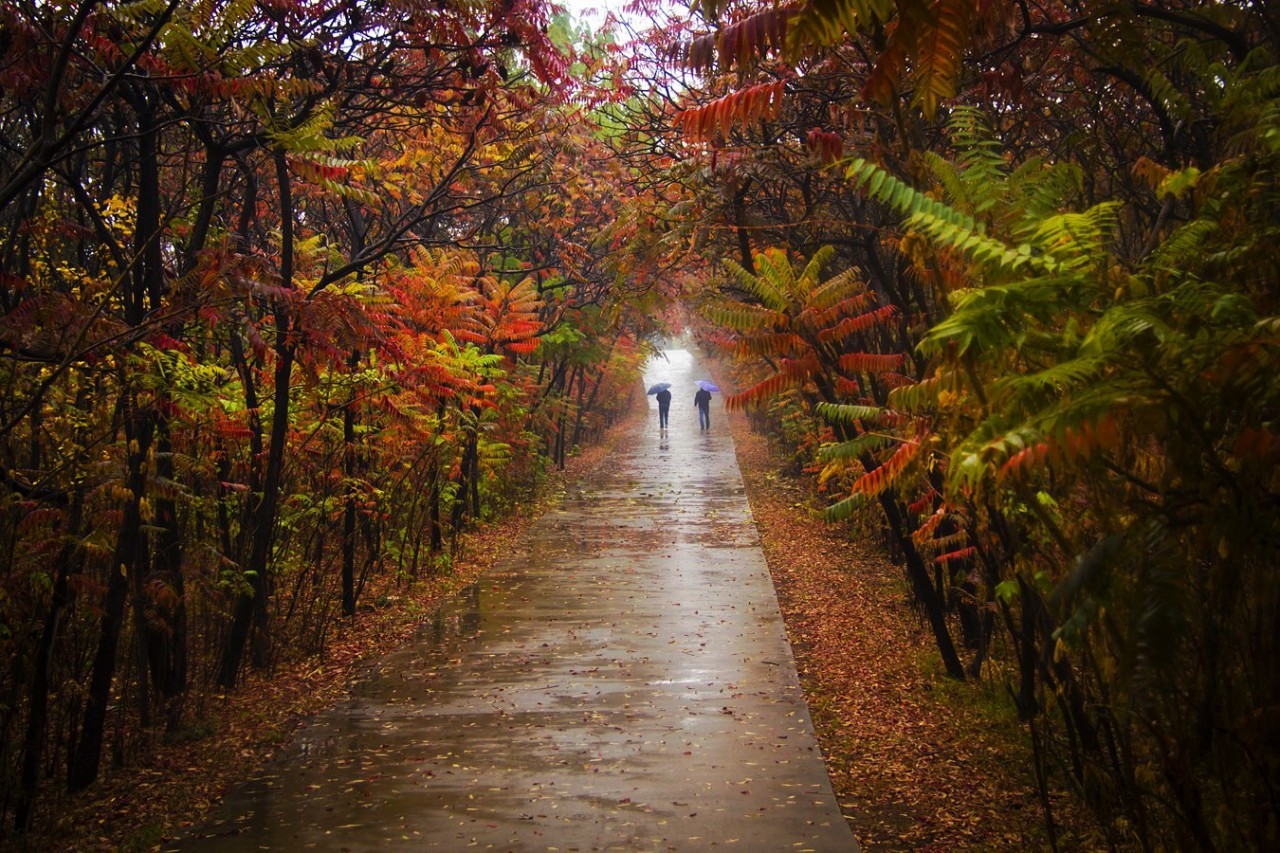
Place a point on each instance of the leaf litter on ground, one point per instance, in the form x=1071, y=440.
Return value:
x=917, y=763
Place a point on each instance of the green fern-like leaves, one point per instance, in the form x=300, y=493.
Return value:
x=745, y=318
x=885, y=188
x=769, y=285
x=848, y=413
x=851, y=451
x=1078, y=238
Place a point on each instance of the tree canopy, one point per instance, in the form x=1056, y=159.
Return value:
x=1001, y=271
x=291, y=295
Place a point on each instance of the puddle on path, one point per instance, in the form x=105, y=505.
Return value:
x=624, y=685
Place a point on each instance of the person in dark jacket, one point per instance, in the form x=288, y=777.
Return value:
x=703, y=401
x=664, y=406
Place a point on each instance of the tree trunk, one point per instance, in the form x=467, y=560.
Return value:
x=68, y=563
x=466, y=469
x=167, y=642
x=473, y=477
x=923, y=586
x=84, y=763
x=349, y=464
x=559, y=452
x=433, y=507
x=251, y=609
x=140, y=290
x=591, y=401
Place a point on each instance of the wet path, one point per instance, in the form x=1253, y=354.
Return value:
x=628, y=687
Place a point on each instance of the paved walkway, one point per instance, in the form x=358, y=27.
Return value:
x=628, y=687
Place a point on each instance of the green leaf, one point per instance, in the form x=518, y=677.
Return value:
x=1006, y=591
x=1178, y=183
x=847, y=413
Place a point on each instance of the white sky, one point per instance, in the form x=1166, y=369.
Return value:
x=600, y=8
x=578, y=8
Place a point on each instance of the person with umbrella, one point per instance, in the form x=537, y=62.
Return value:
x=703, y=401
x=663, y=396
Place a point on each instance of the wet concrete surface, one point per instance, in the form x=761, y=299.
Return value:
x=625, y=684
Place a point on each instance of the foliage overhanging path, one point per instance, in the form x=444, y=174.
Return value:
x=625, y=683
x=292, y=296
x=1003, y=276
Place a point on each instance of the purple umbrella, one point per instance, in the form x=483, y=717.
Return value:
x=707, y=385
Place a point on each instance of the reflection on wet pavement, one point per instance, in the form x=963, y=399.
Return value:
x=624, y=685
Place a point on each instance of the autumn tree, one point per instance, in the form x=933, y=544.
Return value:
x=1054, y=199
x=273, y=287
